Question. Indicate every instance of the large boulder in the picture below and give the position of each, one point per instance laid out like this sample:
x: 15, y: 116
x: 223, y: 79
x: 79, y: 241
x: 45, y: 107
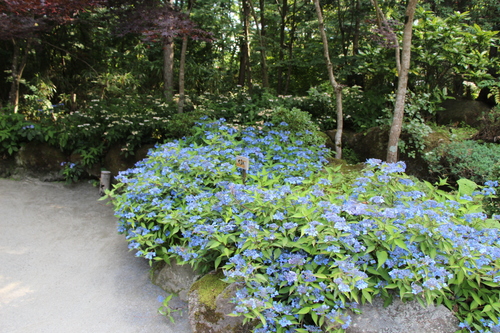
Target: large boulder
x: 458, y: 111
x: 403, y: 317
x: 210, y: 304
x: 373, y: 144
x: 116, y: 160
x: 175, y: 279
x: 7, y: 166
x: 369, y: 144
x: 41, y: 160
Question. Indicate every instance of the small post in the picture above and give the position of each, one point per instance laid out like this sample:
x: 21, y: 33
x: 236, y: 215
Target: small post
x: 243, y: 163
x: 105, y: 182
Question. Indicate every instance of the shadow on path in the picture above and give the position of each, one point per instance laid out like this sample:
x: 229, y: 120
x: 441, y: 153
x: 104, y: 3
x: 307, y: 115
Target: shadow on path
x: 64, y: 268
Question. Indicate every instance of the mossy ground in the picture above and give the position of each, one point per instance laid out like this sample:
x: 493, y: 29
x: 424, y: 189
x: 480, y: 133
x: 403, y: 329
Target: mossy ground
x: 209, y: 287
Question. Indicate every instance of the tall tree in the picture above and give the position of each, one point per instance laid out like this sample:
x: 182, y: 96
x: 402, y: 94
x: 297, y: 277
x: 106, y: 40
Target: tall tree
x: 399, y: 105
x: 283, y: 10
x: 337, y: 88
x: 245, y: 75
x: 261, y: 32
x: 161, y: 22
x: 182, y: 65
x: 23, y: 22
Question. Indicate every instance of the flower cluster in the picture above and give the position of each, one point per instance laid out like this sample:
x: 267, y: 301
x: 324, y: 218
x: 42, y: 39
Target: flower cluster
x: 307, y: 242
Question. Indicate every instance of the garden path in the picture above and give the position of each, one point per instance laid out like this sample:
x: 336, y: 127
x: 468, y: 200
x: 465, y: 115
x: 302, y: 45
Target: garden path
x: 64, y: 268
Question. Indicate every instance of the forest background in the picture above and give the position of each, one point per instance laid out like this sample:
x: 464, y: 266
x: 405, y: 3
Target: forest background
x: 84, y: 74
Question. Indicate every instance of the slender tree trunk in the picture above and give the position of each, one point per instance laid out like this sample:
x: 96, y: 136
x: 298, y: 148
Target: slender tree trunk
x: 265, y: 74
x: 355, y: 38
x: 262, y: 42
x: 18, y: 64
x: 182, y: 96
x: 281, y: 53
x: 291, y: 41
x: 342, y: 30
x: 335, y: 85
x: 399, y: 107
x: 182, y: 67
x: 356, y: 15
x: 245, y: 69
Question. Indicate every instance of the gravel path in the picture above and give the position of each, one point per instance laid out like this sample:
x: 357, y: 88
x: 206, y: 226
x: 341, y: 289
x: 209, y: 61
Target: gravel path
x: 64, y: 268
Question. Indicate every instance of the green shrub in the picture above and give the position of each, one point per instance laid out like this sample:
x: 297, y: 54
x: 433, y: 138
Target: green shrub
x: 299, y: 124
x: 306, y: 242
x: 15, y: 130
x: 242, y: 105
x: 469, y: 159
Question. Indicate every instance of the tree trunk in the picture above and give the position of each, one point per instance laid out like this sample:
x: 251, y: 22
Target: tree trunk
x: 18, y: 64
x: 265, y: 74
x: 281, y: 53
x: 262, y: 42
x: 335, y: 85
x: 168, y: 68
x: 182, y: 97
x: 399, y: 106
x: 182, y: 67
x: 291, y: 41
x: 245, y: 69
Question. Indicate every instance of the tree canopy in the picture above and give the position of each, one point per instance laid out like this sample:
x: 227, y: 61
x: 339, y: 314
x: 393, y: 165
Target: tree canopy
x: 75, y: 51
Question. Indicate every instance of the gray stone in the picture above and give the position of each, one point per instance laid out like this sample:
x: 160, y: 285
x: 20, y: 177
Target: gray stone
x: 210, y: 304
x: 41, y: 160
x: 7, y: 166
x: 175, y: 279
x: 457, y: 111
x: 403, y: 317
x: 116, y: 161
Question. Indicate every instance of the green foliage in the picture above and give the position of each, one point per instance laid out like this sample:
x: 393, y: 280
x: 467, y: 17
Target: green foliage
x: 299, y: 124
x: 319, y: 102
x: 15, y: 130
x: 90, y: 155
x: 241, y: 105
x: 165, y: 308
x: 350, y: 156
x: 361, y: 108
x: 419, y: 109
x: 183, y: 124
x: 130, y: 121
x: 469, y: 159
x: 449, y: 47
x: 71, y: 172
x: 305, y: 241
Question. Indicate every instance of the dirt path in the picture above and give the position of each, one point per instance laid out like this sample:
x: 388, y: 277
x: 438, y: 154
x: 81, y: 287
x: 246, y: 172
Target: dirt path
x: 64, y: 268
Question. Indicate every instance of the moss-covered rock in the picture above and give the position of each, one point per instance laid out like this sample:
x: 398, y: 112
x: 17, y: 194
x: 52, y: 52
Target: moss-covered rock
x: 210, y: 304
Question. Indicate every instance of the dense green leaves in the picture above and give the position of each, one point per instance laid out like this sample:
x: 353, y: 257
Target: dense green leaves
x: 306, y: 241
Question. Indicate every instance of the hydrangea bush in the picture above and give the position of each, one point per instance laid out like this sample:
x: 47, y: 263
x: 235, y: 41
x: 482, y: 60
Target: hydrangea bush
x: 306, y: 242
